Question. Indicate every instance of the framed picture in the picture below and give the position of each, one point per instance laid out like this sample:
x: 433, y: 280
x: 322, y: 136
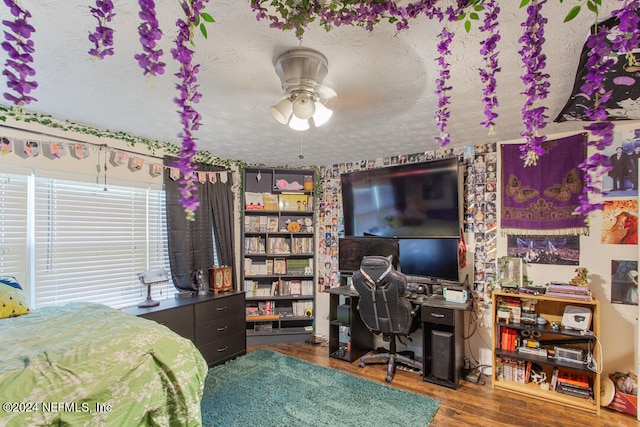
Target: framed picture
x: 279, y: 266
x: 510, y: 273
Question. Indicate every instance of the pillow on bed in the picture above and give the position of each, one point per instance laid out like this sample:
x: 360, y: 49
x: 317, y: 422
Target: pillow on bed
x: 13, y: 301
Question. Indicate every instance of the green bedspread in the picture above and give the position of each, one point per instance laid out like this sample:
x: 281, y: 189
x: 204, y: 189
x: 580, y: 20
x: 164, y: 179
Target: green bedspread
x: 89, y: 365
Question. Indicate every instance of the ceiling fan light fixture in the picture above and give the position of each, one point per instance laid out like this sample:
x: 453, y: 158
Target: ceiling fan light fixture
x: 303, y: 106
x: 301, y: 72
x: 282, y: 111
x: 297, y: 123
x: 322, y: 114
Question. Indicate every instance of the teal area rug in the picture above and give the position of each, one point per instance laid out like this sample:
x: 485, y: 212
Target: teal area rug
x: 267, y: 388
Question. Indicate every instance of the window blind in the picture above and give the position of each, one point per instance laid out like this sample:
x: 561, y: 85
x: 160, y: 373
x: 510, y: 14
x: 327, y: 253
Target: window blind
x: 90, y: 243
x: 13, y: 225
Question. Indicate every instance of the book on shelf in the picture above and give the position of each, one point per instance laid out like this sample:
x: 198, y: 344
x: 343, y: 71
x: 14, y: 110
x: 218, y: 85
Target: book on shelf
x: 279, y: 266
x: 278, y: 245
x: 253, y: 201
x: 270, y: 201
x: 275, y: 288
x: 574, y: 391
x: 295, y: 287
x: 272, y: 224
x: 298, y: 266
x: 299, y: 308
x: 575, y: 379
x: 263, y: 223
x: 569, y: 289
x: 255, y: 268
x: 565, y: 295
x: 252, y: 224
x: 302, y: 245
x: 294, y: 202
x: 254, y: 245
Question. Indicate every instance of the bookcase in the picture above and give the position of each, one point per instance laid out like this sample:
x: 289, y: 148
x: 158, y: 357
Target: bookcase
x: 279, y: 255
x: 569, y: 359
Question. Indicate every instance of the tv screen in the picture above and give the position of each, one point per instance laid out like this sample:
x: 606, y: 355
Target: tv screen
x: 430, y: 259
x: 412, y: 200
x: 351, y: 250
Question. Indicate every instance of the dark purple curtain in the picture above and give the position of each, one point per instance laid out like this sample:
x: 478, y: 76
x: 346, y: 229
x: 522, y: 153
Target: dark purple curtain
x: 191, y: 245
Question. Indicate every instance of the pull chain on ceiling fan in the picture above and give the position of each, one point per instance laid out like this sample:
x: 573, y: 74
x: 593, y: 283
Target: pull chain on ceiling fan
x: 301, y: 72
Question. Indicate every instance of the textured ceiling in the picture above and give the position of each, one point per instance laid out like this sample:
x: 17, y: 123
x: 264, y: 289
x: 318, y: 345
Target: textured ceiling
x: 384, y: 80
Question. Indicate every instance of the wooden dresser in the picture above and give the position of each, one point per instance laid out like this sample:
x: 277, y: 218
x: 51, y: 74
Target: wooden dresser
x: 215, y: 323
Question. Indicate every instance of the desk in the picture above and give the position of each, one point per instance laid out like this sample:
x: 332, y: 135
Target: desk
x: 442, y: 334
x: 349, y: 338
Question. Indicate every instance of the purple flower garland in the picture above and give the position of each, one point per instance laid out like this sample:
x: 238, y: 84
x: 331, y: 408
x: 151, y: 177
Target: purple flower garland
x: 536, y: 84
x: 490, y: 56
x: 446, y: 37
x: 150, y: 33
x: 442, y: 114
x: 102, y: 38
x: 630, y: 28
x: 189, y: 96
x: 598, y: 62
x: 19, y: 49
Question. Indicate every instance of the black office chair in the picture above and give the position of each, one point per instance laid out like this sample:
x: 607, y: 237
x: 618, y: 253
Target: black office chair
x: 384, y: 309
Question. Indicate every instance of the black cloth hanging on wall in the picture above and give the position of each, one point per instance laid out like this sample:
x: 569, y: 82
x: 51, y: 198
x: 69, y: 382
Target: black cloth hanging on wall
x: 191, y: 242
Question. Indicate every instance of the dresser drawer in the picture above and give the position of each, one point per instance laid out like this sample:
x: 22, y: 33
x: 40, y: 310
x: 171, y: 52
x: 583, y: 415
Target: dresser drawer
x: 220, y: 308
x: 220, y: 328
x: 439, y: 315
x: 221, y: 350
x: 178, y: 319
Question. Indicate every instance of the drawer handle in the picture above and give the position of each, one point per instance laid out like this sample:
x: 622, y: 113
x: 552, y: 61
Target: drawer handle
x: 220, y: 350
x: 221, y: 308
x: 439, y: 316
x: 223, y: 328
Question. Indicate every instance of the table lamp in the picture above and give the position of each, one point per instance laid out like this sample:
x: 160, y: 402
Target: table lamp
x: 149, y: 278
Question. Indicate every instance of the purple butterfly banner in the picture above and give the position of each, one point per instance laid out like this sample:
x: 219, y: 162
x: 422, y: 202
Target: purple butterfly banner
x: 541, y: 200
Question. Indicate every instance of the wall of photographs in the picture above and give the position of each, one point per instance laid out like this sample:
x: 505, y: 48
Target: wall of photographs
x: 479, y: 208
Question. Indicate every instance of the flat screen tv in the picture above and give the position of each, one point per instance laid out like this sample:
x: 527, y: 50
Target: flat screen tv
x: 351, y: 250
x: 430, y: 259
x: 412, y: 200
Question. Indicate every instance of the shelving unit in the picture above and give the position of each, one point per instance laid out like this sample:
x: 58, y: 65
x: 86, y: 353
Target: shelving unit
x: 279, y: 255
x: 552, y: 309
x: 349, y: 338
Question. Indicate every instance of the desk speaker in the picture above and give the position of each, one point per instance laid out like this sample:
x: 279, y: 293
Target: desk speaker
x: 442, y: 355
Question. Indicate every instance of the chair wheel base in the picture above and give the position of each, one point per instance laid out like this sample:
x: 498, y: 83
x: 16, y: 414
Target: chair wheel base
x: 362, y: 364
x: 388, y: 378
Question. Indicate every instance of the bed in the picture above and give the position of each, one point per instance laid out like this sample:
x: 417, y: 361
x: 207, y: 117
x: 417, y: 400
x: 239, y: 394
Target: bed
x: 85, y: 364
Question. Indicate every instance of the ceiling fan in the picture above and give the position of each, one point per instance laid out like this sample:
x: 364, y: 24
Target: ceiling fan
x: 306, y: 100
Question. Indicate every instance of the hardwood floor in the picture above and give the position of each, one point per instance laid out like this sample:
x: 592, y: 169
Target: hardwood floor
x: 469, y: 405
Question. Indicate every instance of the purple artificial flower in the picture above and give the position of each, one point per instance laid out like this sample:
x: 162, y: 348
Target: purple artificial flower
x: 536, y: 84
x: 19, y: 48
x: 598, y: 63
x: 629, y: 27
x: 442, y: 114
x: 150, y: 33
x: 487, y: 50
x: 188, y: 95
x: 102, y: 38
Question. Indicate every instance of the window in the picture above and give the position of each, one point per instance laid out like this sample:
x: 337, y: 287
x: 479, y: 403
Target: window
x: 87, y: 242
x: 13, y: 224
